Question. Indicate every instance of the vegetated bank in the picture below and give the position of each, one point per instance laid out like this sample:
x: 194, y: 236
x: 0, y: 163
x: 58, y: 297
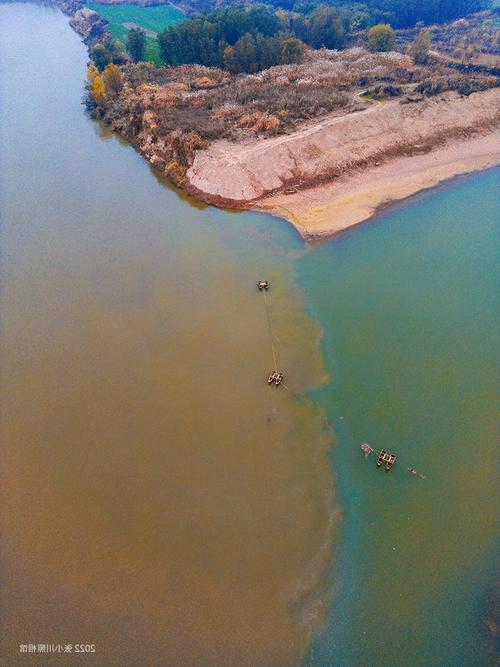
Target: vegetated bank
x: 151, y: 19
x: 267, y: 139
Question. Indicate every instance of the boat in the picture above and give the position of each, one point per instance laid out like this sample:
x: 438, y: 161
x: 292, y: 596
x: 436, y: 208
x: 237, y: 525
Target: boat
x: 263, y: 284
x: 386, y: 458
x: 366, y: 449
x: 272, y: 377
x: 279, y: 379
x: 390, y: 462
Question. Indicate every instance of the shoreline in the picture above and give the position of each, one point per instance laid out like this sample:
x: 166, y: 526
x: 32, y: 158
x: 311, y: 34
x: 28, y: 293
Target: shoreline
x: 338, y: 172
x: 342, y: 191
x: 323, y: 211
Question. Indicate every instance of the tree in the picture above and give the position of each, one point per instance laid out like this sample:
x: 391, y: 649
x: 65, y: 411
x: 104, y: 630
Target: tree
x: 245, y: 54
x: 381, y: 37
x: 98, y: 90
x: 229, y: 61
x: 112, y: 78
x: 261, y: 19
x: 268, y: 51
x: 292, y: 50
x: 100, y: 55
x: 406, y: 13
x: 136, y: 44
x: 170, y: 46
x: 326, y: 28
x: 419, y: 48
x: 236, y: 38
x: 360, y: 19
x: 116, y: 51
x: 92, y: 72
x: 109, y: 51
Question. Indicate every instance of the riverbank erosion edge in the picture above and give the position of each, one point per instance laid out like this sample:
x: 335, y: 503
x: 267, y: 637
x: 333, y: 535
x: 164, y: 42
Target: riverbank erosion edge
x: 87, y: 23
x: 330, y: 208
x: 337, y: 173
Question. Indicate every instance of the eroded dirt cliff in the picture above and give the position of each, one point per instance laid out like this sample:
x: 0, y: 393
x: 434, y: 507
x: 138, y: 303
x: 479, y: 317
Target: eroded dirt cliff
x: 239, y: 174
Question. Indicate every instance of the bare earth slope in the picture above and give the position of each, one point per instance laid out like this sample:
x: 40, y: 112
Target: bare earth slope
x: 333, y: 150
x: 330, y: 208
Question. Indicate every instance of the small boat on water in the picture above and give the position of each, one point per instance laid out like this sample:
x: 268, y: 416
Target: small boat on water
x: 263, y: 285
x: 386, y: 458
x: 276, y: 377
x: 391, y: 461
x: 366, y: 449
x: 272, y: 377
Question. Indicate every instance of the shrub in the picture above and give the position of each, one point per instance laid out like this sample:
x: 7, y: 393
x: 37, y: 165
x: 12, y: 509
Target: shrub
x: 112, y: 78
x: 419, y: 49
x: 381, y: 38
x: 98, y: 90
x: 292, y: 50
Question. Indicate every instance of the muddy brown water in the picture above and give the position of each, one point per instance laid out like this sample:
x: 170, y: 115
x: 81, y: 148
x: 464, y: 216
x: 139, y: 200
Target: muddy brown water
x: 159, y: 500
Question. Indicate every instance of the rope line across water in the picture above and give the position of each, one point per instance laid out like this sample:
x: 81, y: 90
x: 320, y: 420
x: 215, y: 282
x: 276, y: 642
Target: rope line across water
x: 272, y: 338
x: 270, y: 328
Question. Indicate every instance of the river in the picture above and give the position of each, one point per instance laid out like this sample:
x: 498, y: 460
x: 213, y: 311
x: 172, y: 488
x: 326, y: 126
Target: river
x: 158, y: 499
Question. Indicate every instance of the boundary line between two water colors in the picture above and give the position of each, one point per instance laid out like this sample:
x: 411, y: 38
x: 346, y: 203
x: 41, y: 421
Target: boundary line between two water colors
x: 272, y: 338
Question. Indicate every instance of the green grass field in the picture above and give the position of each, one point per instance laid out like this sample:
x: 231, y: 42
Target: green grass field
x: 155, y: 18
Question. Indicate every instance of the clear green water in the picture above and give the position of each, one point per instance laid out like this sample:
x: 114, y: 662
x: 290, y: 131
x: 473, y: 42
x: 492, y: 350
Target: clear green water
x: 158, y: 498
x: 409, y: 308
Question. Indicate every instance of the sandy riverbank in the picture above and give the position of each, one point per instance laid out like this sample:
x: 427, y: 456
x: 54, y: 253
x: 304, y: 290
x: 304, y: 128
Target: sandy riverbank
x: 336, y: 172
x: 330, y: 208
